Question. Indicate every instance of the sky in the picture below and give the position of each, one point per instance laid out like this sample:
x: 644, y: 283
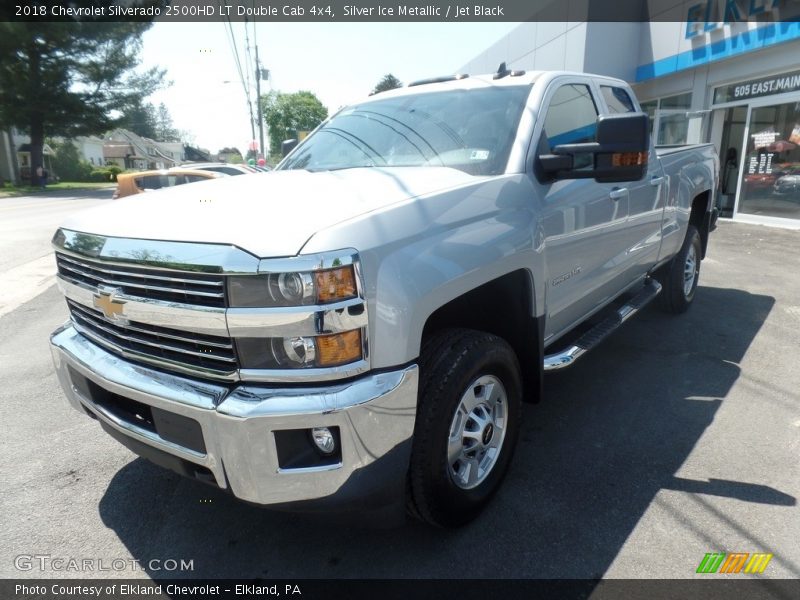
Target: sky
x: 339, y: 62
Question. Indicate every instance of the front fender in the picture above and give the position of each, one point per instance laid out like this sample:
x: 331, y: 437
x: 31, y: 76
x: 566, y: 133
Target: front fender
x: 422, y: 254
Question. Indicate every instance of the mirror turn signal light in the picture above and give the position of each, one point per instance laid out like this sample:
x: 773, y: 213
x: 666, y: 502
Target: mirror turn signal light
x: 629, y: 159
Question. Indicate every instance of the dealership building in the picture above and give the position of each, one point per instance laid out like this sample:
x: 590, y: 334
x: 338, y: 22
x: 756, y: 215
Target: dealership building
x: 733, y: 82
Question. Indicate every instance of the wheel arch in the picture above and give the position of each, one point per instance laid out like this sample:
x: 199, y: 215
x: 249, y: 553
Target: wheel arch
x: 700, y: 217
x: 504, y: 307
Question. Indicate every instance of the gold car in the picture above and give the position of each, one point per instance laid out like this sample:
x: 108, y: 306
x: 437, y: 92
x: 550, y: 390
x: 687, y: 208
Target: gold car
x: 145, y: 181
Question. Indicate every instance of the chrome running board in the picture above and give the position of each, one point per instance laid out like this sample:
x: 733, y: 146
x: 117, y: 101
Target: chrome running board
x: 599, y: 332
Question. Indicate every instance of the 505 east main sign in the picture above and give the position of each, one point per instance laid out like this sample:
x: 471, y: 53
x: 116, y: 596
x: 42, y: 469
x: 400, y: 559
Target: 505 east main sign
x: 766, y: 86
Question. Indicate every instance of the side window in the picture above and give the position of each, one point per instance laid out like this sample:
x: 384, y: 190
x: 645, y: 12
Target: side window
x: 572, y: 119
x: 151, y: 182
x: 228, y: 171
x: 617, y: 99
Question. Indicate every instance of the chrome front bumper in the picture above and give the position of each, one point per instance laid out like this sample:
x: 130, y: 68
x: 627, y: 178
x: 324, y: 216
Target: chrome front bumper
x: 375, y: 415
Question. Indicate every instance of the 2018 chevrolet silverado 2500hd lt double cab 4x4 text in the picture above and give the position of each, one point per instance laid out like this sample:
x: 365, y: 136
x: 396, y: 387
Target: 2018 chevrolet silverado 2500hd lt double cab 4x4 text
x: 359, y: 327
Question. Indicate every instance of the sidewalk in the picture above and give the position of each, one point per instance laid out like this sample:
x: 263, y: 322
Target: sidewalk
x: 28, y: 190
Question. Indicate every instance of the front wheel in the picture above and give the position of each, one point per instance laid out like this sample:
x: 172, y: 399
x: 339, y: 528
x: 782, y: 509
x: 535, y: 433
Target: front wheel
x: 680, y: 276
x: 468, y: 417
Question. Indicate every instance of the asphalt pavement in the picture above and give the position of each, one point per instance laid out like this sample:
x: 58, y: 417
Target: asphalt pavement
x: 677, y: 437
x: 27, y: 224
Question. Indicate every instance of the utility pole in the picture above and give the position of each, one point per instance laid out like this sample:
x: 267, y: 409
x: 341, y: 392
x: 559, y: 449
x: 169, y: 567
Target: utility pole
x: 258, y: 105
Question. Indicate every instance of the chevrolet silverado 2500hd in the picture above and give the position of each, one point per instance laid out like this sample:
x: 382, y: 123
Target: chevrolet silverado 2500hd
x: 359, y: 327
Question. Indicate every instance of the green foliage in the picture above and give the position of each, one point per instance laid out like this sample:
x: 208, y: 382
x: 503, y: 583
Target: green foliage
x: 165, y: 131
x: 233, y: 154
x: 100, y: 175
x: 114, y: 170
x: 389, y: 82
x: 140, y: 119
x: 147, y: 120
x: 68, y: 165
x: 83, y: 172
x: 66, y: 162
x: 288, y: 114
x: 71, y: 78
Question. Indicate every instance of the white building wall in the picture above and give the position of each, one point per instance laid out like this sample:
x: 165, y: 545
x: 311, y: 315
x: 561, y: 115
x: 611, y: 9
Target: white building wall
x: 603, y: 48
x: 8, y: 159
x: 173, y: 149
x: 91, y: 150
x: 703, y: 79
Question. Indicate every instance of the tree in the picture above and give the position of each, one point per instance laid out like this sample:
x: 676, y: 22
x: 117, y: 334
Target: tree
x: 140, y: 119
x: 70, y: 78
x: 389, y: 82
x: 233, y: 154
x: 67, y: 163
x: 165, y: 131
x: 288, y: 114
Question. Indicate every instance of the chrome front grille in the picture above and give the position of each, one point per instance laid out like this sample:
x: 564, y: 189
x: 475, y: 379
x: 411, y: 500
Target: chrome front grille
x: 173, y: 349
x: 187, y: 288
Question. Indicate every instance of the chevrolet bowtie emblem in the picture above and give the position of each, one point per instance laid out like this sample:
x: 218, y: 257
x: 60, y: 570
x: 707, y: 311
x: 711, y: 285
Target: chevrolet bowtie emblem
x: 105, y: 301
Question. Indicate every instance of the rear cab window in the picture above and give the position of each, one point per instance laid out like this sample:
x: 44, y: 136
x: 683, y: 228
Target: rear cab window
x: 572, y: 119
x: 617, y: 100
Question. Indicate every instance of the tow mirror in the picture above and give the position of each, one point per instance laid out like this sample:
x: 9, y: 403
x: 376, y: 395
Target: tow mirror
x: 287, y: 146
x: 619, y: 154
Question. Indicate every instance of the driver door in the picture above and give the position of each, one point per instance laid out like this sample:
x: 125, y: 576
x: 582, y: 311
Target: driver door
x: 583, y: 221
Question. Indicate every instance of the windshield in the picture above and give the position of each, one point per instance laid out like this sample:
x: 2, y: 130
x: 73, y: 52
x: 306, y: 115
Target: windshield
x: 470, y: 130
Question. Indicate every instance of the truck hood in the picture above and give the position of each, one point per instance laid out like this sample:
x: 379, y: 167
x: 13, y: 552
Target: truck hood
x: 268, y: 214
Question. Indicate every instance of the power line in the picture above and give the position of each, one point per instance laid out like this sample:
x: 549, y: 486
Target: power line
x: 235, y: 51
x: 258, y: 93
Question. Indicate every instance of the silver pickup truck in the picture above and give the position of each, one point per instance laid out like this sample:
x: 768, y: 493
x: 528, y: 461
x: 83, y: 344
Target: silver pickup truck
x: 358, y: 329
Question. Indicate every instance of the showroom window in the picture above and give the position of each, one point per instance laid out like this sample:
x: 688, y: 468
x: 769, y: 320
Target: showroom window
x: 673, y: 122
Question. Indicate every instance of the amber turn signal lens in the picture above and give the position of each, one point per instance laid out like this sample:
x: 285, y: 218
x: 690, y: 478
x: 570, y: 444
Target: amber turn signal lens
x: 338, y: 349
x: 628, y: 159
x: 336, y: 284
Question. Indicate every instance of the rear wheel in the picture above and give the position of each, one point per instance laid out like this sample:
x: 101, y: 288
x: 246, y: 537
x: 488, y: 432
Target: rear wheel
x: 468, y: 417
x: 679, y: 277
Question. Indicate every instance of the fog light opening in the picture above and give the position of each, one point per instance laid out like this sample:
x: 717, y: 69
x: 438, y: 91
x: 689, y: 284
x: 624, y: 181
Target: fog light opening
x: 324, y: 440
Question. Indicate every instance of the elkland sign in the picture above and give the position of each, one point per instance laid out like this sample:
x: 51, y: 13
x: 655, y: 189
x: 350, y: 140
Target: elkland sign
x: 713, y: 14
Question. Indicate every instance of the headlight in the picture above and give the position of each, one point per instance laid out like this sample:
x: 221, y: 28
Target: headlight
x: 330, y: 350
x: 292, y: 289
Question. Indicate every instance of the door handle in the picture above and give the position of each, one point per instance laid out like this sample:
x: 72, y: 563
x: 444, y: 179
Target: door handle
x: 657, y: 181
x: 618, y: 193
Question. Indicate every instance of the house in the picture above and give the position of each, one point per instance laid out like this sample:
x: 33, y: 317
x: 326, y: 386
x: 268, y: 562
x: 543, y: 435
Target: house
x: 90, y: 149
x: 124, y: 156
x: 21, y: 143
x: 174, y: 150
x: 131, y: 151
x: 227, y: 155
x: 197, y: 154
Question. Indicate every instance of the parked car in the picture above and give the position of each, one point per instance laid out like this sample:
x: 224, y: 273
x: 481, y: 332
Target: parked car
x: 145, y: 181
x: 365, y: 340
x: 759, y: 181
x: 788, y: 184
x: 225, y: 168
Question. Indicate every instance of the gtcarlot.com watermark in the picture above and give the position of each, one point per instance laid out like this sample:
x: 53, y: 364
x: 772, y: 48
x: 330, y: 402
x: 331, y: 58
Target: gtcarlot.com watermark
x: 50, y: 563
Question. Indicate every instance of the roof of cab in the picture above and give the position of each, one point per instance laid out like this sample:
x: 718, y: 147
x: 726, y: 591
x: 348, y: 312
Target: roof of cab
x: 459, y: 83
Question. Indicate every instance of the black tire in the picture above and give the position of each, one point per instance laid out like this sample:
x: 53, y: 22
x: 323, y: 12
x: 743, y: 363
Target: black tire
x: 457, y: 364
x: 677, y: 295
